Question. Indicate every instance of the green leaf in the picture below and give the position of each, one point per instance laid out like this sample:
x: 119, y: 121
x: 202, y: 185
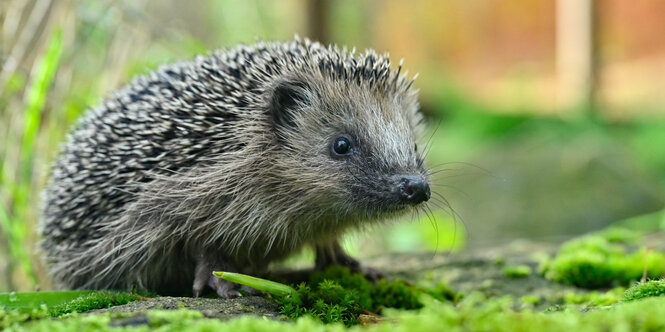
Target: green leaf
x: 22, y: 300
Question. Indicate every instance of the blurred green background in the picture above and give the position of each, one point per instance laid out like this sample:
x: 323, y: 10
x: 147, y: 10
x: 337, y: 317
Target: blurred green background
x: 547, y: 117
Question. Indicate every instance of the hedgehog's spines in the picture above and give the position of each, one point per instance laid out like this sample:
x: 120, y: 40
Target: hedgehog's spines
x: 174, y: 160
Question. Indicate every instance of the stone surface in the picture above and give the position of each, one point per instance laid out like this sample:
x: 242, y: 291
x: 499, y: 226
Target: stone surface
x: 211, y: 308
x: 480, y: 270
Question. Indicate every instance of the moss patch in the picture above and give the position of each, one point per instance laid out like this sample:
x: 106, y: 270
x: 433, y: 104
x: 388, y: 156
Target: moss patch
x: 14, y: 317
x: 594, y: 298
x: 645, y: 289
x: 516, y: 271
x: 337, y: 295
x: 530, y: 300
x: 475, y: 313
x: 95, y: 300
x: 603, y: 260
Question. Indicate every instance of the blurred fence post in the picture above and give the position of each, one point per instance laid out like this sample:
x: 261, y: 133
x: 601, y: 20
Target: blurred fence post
x: 317, y: 20
x: 577, y: 54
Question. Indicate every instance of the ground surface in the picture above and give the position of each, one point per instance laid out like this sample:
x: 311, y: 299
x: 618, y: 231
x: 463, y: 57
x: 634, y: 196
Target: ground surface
x: 523, y: 285
x: 483, y: 270
x: 210, y: 308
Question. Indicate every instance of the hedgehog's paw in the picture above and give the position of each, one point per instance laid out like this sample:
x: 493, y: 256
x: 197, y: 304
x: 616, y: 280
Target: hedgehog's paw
x: 334, y: 254
x: 252, y: 291
x: 369, y: 272
x: 225, y: 289
x: 203, y: 277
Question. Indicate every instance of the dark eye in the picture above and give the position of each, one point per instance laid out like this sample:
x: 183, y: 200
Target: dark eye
x: 415, y: 147
x: 342, y: 146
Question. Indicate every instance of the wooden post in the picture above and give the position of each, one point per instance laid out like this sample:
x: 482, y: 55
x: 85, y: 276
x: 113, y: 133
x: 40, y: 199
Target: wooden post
x: 577, y: 53
x: 317, y: 20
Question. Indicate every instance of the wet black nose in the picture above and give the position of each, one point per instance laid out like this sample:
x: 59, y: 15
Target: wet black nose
x: 414, y: 189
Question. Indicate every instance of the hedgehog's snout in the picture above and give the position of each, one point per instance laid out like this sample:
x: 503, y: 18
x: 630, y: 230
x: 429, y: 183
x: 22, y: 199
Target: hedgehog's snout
x: 413, y: 189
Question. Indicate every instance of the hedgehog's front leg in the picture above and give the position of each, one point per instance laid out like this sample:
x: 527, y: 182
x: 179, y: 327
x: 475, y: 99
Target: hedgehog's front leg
x: 334, y: 254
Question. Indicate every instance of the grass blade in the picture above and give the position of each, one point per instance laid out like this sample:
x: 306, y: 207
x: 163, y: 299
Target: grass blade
x: 264, y: 285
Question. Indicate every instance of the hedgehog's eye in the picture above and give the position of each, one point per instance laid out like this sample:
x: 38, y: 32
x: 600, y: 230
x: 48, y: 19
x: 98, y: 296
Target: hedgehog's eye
x: 342, y: 146
x: 415, y: 148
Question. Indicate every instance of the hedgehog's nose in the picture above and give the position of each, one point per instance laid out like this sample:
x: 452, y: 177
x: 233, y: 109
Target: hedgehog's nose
x: 414, y: 189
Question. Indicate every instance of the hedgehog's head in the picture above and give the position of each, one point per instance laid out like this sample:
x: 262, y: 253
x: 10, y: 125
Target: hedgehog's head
x: 348, y: 147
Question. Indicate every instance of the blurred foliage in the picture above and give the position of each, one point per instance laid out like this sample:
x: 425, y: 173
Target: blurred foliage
x: 603, y: 260
x: 517, y: 271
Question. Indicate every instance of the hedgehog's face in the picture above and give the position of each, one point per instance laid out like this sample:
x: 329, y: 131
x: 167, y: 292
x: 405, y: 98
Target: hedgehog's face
x: 356, y: 146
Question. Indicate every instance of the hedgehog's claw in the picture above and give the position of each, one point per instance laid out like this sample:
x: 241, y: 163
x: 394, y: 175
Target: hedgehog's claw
x: 334, y: 254
x: 203, y: 277
x: 370, y: 273
x: 252, y: 291
x: 225, y: 289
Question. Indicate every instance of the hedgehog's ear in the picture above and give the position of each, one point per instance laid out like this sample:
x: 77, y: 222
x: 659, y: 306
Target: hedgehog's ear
x: 287, y: 97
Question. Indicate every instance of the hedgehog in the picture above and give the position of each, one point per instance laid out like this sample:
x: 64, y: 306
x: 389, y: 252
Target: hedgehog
x: 231, y: 161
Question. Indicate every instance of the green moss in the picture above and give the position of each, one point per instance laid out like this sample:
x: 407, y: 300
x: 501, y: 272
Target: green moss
x: 620, y: 235
x: 442, y: 292
x: 172, y: 320
x: 594, y: 261
x: 474, y: 313
x: 645, y: 289
x: 499, y: 261
x: 328, y: 302
x: 94, y: 300
x: 530, y: 300
x: 517, y: 271
x: 86, y: 302
x: 594, y: 298
x: 13, y: 317
x: 337, y: 295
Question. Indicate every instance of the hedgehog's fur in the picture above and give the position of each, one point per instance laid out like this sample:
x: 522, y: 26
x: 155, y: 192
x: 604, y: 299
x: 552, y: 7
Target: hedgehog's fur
x: 224, y: 162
